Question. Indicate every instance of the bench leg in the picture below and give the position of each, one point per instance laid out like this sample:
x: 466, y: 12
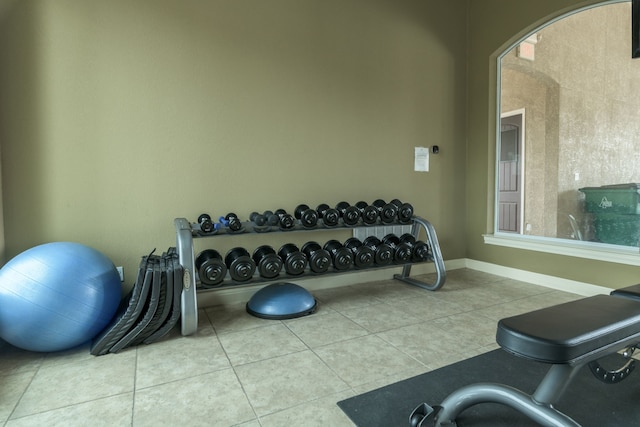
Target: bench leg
x: 468, y: 396
x: 554, y: 383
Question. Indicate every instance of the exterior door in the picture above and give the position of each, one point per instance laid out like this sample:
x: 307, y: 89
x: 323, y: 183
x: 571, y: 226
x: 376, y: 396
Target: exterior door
x: 510, y: 174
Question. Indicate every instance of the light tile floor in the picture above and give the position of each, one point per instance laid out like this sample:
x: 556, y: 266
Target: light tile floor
x: 238, y: 370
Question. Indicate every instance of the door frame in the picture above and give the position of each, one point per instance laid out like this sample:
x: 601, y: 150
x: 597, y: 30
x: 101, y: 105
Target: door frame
x: 521, y: 169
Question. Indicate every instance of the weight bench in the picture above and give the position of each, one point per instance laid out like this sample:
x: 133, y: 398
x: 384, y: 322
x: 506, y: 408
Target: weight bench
x: 567, y: 336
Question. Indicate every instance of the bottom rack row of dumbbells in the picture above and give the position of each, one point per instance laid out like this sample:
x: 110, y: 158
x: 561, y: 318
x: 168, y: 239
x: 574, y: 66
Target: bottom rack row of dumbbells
x: 265, y: 263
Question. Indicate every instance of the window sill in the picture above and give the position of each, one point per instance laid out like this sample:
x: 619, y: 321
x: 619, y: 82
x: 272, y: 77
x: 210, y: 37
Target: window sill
x: 597, y: 251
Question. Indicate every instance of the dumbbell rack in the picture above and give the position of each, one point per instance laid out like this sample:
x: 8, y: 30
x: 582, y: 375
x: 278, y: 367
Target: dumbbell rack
x: 186, y: 232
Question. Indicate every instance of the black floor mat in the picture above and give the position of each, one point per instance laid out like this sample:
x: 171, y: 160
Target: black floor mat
x: 587, y: 400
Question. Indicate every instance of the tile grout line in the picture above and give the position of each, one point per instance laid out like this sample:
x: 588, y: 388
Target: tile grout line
x: 23, y: 393
x: 235, y: 373
x: 135, y: 384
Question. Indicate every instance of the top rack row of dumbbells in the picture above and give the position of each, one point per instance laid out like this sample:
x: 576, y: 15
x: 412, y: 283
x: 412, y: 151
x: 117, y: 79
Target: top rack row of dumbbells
x: 343, y: 216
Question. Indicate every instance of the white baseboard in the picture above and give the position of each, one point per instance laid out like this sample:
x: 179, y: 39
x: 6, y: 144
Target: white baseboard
x: 242, y: 294
x: 580, y: 288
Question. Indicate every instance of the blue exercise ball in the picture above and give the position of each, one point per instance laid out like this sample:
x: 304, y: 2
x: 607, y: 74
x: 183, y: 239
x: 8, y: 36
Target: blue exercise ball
x: 57, y: 296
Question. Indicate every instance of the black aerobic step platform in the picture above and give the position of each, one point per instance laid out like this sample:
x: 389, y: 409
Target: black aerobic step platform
x: 150, y: 310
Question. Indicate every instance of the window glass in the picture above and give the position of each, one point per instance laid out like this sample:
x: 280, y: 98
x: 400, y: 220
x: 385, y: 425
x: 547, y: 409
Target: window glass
x: 575, y: 160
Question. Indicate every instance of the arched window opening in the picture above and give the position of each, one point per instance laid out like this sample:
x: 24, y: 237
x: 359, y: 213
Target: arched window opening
x: 568, y: 137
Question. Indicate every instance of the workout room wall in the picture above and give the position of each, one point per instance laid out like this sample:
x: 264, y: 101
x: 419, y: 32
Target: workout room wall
x: 116, y: 117
x: 493, y: 26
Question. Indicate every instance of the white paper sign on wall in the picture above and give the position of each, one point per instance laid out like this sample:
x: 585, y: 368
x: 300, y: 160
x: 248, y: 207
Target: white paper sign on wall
x: 421, y: 161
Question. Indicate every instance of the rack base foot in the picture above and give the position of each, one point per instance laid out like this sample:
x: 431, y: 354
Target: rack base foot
x: 418, y: 283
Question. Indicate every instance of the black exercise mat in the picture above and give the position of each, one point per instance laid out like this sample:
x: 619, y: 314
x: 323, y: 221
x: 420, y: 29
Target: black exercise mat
x: 587, y: 400
x: 128, y: 311
x: 174, y: 284
x: 164, y: 303
x: 148, y: 311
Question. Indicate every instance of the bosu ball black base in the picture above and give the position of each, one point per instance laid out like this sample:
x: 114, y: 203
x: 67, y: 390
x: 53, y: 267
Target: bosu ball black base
x: 281, y: 301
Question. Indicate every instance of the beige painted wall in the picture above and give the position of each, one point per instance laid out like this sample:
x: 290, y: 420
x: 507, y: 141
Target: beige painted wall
x: 496, y: 25
x: 116, y: 117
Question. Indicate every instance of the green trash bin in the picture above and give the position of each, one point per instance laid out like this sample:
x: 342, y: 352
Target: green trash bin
x: 616, y: 212
x: 617, y: 229
x: 618, y: 198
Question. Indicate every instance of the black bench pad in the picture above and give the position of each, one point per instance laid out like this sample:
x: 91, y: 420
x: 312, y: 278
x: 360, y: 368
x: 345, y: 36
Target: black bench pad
x: 570, y: 332
x: 628, y: 292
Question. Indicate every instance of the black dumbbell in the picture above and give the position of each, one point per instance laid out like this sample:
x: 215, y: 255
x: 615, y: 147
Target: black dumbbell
x: 419, y: 249
x: 368, y: 213
x: 240, y: 265
x: 206, y: 225
x: 401, y: 251
x: 350, y: 214
x: 388, y: 212
x: 286, y: 221
x: 267, y: 261
x: 272, y: 219
x: 319, y: 259
x: 307, y: 216
x: 211, y: 267
x: 294, y: 260
x: 231, y: 221
x: 341, y: 257
x: 330, y: 217
x: 258, y: 219
x: 363, y: 256
x: 405, y: 211
x: 383, y: 254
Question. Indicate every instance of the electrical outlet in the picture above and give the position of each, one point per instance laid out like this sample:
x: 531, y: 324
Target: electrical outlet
x: 121, y: 273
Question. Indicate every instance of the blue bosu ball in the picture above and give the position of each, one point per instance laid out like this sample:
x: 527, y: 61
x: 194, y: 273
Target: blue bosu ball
x: 56, y: 296
x: 281, y: 301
